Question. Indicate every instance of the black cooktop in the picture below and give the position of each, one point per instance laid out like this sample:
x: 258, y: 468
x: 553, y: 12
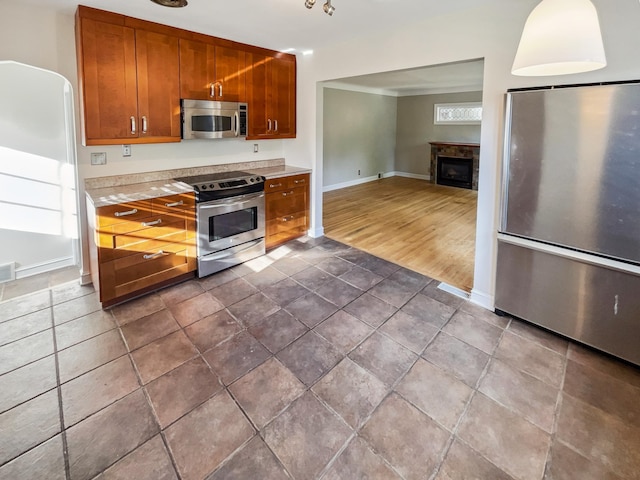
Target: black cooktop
x: 214, y: 186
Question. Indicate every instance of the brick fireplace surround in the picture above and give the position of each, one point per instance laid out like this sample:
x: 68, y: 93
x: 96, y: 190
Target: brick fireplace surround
x: 459, y: 150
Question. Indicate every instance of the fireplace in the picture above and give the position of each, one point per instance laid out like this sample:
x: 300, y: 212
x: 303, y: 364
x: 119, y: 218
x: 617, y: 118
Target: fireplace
x: 460, y: 157
x: 455, y: 171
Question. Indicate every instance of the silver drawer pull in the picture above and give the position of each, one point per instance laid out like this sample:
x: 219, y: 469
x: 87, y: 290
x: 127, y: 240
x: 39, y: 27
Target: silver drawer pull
x: 298, y: 181
x: 287, y: 219
x: 275, y: 185
x: 287, y: 193
x: 153, y: 255
x: 151, y: 224
x: 124, y: 214
x: 174, y: 204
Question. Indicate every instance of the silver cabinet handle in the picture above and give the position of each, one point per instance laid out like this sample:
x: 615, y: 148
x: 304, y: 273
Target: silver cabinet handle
x: 212, y: 90
x: 269, y: 125
x: 275, y: 185
x: 151, y: 224
x: 124, y: 214
x: 298, y: 181
x: 276, y: 125
x: 144, y: 124
x: 174, y: 204
x: 133, y: 125
x: 287, y: 219
x: 287, y: 193
x: 220, y: 92
x: 153, y: 255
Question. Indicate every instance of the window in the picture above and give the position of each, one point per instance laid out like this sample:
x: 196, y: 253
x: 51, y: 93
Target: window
x: 457, y: 113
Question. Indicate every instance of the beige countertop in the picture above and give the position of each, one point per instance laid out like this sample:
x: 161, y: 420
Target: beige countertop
x: 135, y: 192
x: 279, y: 171
x: 153, y: 189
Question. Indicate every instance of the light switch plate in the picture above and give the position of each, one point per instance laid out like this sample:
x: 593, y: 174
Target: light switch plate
x: 255, y: 148
x: 126, y: 150
x: 99, y: 158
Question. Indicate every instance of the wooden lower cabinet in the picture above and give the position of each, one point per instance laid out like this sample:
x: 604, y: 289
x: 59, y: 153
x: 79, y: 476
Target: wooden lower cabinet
x: 140, y: 246
x: 286, y: 209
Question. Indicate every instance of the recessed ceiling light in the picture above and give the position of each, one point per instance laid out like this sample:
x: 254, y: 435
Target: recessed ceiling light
x: 171, y: 3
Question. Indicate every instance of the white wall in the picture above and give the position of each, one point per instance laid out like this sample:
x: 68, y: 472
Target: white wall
x: 359, y: 135
x: 490, y: 33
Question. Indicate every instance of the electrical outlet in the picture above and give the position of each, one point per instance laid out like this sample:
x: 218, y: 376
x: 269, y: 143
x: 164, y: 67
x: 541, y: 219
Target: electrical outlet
x: 99, y: 158
x: 358, y: 172
x: 126, y: 150
x: 380, y: 174
x: 255, y: 148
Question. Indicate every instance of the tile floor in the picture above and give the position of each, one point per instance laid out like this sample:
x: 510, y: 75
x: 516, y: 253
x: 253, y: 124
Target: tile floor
x: 318, y: 361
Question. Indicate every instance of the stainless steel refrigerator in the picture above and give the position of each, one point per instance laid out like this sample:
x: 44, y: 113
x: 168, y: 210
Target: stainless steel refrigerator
x: 569, y: 237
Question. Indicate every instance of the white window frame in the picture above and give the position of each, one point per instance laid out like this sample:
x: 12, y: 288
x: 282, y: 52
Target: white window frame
x: 439, y: 118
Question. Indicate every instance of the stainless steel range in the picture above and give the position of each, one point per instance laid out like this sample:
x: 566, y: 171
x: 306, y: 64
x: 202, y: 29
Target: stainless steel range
x: 230, y: 219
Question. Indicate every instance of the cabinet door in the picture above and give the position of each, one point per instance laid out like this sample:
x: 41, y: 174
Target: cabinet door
x: 197, y: 67
x: 108, y: 81
x: 158, y: 86
x: 230, y: 74
x: 283, y: 96
x: 258, y: 81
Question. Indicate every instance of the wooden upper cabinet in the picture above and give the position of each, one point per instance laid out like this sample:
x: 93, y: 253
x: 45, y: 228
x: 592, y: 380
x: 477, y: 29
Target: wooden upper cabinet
x: 283, y: 91
x: 133, y: 73
x: 129, y: 81
x: 212, y: 72
x: 158, y: 86
x: 271, y: 85
x: 108, y: 80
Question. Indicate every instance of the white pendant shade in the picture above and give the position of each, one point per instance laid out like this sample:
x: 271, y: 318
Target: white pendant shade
x: 559, y: 38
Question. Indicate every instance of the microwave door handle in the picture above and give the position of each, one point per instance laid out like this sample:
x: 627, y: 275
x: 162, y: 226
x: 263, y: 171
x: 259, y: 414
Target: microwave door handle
x: 237, y: 120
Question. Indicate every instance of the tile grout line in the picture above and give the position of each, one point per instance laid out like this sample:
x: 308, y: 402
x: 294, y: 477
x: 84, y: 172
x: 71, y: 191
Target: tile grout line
x: 556, y: 413
x: 474, y: 392
x: 63, y: 431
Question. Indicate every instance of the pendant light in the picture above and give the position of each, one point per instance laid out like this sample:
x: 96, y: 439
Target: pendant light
x: 560, y: 37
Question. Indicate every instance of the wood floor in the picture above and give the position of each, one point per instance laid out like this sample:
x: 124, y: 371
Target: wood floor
x: 424, y: 227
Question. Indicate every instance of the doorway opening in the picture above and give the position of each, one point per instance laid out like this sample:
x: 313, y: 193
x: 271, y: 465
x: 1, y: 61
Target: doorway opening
x: 378, y: 192
x: 38, y: 178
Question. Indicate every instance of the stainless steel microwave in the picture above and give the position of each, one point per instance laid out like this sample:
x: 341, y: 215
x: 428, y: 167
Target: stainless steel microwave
x: 208, y: 119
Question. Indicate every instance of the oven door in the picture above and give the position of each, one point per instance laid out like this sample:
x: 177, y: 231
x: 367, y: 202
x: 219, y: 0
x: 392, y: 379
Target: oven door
x: 228, y: 222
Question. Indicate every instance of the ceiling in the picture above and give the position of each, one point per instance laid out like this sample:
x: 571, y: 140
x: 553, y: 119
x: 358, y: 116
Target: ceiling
x: 287, y: 24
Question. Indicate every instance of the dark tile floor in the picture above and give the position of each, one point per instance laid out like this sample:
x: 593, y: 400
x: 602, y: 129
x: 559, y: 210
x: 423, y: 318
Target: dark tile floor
x: 316, y: 361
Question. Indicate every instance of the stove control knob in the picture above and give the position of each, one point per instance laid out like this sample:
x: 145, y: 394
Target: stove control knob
x: 252, y: 179
x: 211, y: 186
x: 203, y: 187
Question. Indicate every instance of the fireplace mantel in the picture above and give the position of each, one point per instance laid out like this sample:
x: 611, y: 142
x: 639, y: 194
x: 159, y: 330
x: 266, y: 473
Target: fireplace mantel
x: 455, y: 149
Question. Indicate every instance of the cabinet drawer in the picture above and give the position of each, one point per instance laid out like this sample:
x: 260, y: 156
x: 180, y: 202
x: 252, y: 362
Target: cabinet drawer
x: 174, y: 204
x: 287, y: 202
x: 126, y: 275
x: 123, y: 213
x: 301, y: 180
x: 284, y: 183
x: 295, y: 222
x: 130, y: 243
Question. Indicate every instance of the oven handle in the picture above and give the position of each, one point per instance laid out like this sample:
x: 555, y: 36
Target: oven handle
x: 203, y: 206
x: 227, y: 253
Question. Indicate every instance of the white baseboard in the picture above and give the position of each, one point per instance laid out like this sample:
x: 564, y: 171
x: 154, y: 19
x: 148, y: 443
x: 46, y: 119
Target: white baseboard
x: 316, y: 232
x: 483, y: 299
x: 411, y: 175
x: 351, y: 183
x: 453, y: 290
x: 360, y: 181
x: 44, y: 267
